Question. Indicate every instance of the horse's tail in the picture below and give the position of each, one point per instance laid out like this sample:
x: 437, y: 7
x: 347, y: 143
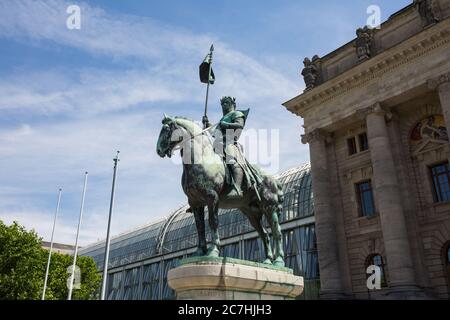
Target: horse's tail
x: 280, y: 195
x: 273, y: 193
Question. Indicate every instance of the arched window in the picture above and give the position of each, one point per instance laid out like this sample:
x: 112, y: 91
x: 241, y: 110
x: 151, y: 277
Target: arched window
x: 377, y: 260
x: 446, y: 257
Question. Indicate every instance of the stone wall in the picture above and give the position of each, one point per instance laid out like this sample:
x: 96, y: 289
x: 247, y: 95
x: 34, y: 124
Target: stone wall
x: 431, y: 220
x: 428, y: 224
x: 386, y: 96
x: 400, y: 27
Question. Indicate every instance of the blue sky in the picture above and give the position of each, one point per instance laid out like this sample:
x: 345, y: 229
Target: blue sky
x: 70, y: 98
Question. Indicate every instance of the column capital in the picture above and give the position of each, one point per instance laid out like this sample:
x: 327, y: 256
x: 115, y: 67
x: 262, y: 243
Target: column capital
x: 376, y: 108
x: 316, y: 135
x: 435, y: 83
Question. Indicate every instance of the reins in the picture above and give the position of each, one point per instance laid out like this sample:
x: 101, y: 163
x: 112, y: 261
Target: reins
x: 193, y: 136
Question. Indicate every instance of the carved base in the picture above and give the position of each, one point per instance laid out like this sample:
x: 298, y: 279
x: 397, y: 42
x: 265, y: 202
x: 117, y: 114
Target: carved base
x: 333, y: 295
x: 407, y: 292
x: 204, y: 278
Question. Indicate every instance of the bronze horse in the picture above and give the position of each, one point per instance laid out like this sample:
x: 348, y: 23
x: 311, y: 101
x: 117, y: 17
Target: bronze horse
x: 204, y: 181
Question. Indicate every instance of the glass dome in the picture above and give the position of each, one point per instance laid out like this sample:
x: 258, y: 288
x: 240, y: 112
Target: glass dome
x: 158, y: 246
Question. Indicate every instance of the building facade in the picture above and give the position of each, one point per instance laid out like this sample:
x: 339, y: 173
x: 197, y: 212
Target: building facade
x: 140, y: 259
x: 376, y: 116
x: 59, y: 247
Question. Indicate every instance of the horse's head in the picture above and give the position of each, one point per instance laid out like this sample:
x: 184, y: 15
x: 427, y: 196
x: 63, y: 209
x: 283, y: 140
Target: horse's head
x: 178, y: 131
x: 166, y: 142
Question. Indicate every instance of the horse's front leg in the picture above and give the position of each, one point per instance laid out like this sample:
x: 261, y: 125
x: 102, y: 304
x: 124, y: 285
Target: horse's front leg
x: 199, y: 214
x: 213, y: 211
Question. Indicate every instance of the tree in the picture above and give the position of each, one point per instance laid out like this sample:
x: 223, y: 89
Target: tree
x: 22, y: 268
x: 60, y: 267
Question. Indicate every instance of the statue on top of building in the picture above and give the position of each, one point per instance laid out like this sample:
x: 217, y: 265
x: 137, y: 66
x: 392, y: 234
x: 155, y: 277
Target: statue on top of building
x: 311, y: 72
x: 364, y: 43
x: 426, y: 11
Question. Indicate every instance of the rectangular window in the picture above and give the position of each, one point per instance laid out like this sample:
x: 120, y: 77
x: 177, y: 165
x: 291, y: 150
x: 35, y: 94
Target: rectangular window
x: 440, y: 176
x: 351, y: 146
x: 363, y: 143
x: 365, y: 199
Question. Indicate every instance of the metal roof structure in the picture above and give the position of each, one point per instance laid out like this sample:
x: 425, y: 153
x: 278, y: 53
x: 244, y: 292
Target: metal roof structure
x: 177, y: 231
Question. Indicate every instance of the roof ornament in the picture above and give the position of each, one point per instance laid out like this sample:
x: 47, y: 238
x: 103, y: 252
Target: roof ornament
x: 364, y: 43
x: 426, y: 10
x: 312, y: 72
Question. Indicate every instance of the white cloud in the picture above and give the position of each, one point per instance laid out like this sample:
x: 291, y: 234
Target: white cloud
x: 42, y: 223
x: 86, y: 114
x: 94, y: 91
x: 167, y: 71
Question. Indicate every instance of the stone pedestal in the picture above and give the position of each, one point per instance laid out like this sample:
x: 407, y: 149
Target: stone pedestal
x: 204, y: 278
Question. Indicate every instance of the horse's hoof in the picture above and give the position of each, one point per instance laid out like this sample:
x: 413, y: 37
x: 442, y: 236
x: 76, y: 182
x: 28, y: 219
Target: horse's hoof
x: 267, y: 261
x: 279, y: 262
x: 213, y: 252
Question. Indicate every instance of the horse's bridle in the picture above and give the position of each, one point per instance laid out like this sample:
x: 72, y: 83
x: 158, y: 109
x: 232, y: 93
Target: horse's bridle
x: 182, y: 141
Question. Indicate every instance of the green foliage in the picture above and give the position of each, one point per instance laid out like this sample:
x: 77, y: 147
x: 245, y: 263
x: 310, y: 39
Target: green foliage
x: 23, y: 263
x: 21, y: 269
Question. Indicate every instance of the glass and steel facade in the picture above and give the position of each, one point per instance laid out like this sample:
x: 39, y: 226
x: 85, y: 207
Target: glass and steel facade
x: 140, y: 259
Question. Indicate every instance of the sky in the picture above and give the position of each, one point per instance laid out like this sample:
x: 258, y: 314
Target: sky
x: 69, y: 98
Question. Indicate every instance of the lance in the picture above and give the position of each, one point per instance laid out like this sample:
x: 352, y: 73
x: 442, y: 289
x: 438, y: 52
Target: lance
x: 207, y: 76
x: 51, y: 244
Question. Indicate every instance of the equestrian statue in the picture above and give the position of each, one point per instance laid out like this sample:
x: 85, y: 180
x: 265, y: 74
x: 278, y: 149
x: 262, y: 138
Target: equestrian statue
x: 217, y: 175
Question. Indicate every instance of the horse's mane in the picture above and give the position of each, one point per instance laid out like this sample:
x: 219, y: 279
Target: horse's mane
x: 197, y: 129
x: 184, y: 118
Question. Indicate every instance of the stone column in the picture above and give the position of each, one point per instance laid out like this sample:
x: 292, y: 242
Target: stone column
x: 442, y: 85
x: 325, y: 220
x: 389, y: 204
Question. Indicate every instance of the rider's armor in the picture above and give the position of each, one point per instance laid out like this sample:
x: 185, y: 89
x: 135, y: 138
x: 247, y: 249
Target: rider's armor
x: 227, y: 145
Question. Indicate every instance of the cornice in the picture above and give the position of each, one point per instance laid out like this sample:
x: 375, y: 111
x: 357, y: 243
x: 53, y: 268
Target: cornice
x: 386, y: 62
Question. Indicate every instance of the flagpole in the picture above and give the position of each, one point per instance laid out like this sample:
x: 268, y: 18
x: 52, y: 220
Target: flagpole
x: 108, y: 240
x: 72, y: 275
x: 205, y: 117
x: 51, y: 244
